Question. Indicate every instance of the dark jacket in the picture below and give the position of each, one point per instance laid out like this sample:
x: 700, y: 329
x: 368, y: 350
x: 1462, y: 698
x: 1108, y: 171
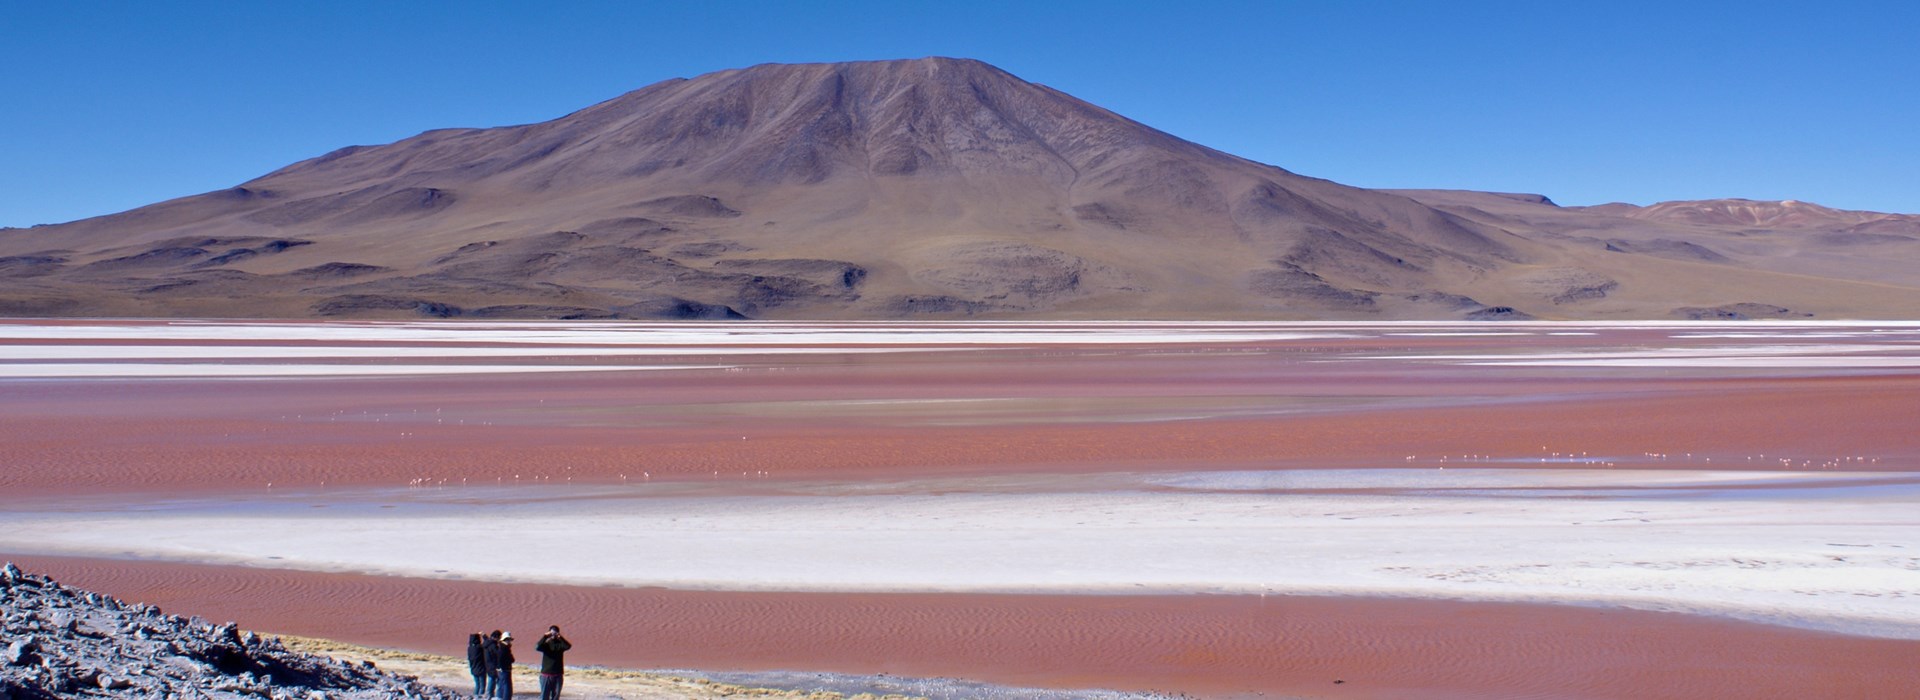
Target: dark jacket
x: 553, y: 651
x: 489, y: 652
x: 476, y: 655
x: 499, y: 657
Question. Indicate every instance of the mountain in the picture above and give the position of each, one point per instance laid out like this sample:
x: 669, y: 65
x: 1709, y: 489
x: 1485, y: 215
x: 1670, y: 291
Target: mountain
x: 920, y: 188
x: 1784, y: 215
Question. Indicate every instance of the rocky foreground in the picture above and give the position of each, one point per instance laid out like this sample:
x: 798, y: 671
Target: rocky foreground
x: 63, y: 642
x: 60, y: 642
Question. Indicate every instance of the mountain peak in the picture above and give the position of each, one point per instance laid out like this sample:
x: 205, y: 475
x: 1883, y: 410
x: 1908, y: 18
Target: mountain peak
x: 924, y: 63
x: 771, y: 123
x: 876, y: 189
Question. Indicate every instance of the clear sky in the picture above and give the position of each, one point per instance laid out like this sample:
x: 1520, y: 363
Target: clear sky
x: 108, y: 106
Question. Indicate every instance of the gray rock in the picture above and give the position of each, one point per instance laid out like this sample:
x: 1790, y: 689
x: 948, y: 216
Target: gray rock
x: 21, y: 652
x: 70, y: 643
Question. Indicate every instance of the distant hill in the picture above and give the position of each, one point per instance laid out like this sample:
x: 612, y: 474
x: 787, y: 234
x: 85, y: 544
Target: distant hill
x: 927, y: 188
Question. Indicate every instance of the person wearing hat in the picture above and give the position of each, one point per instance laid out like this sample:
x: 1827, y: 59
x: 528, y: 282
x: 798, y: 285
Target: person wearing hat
x: 502, y: 664
x: 553, y: 649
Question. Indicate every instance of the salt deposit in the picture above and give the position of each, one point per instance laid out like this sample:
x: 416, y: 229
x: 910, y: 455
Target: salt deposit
x: 76, y: 370
x: 1824, y: 550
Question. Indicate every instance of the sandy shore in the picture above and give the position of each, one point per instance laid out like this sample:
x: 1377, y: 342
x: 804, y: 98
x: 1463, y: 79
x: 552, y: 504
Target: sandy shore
x: 451, y: 672
x: 600, y: 683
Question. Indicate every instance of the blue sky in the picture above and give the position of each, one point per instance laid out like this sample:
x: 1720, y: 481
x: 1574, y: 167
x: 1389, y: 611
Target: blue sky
x: 108, y: 106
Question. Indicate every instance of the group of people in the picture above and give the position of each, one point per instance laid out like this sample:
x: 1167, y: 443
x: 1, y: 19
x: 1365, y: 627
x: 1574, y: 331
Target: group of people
x: 490, y: 657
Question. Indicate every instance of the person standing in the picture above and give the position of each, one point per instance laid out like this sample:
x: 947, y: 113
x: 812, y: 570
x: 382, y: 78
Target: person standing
x: 553, y: 649
x: 477, y: 664
x: 502, y: 662
x: 490, y: 653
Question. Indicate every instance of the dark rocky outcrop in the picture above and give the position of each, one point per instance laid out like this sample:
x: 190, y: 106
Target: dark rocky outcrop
x: 629, y: 226
x: 690, y: 205
x: 1664, y: 248
x: 30, y: 265
x: 546, y: 311
x: 63, y: 642
x: 937, y: 304
x: 1499, y: 313
x: 162, y: 257
x: 1458, y: 302
x: 828, y: 273
x: 1101, y: 213
x: 1289, y: 282
x: 362, y: 304
x: 1743, y: 311
x: 337, y: 270
x: 679, y: 309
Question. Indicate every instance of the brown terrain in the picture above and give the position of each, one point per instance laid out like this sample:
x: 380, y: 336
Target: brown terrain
x: 931, y: 188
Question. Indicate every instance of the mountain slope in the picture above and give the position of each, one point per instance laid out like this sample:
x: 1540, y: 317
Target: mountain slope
x: 886, y: 189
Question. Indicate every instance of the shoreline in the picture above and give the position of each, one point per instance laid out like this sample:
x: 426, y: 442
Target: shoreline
x: 1208, y: 646
x: 450, y: 672
x: 595, y: 682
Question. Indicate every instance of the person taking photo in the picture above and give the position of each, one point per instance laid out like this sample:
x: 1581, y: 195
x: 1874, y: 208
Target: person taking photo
x: 553, y: 649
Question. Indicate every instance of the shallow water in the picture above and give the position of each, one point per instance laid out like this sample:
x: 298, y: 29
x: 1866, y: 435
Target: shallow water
x: 1192, y: 645
x: 1751, y: 471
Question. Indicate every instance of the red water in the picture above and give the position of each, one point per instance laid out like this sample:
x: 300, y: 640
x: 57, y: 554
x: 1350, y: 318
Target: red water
x: 1126, y: 408
x: 1214, y: 646
x: 1056, y: 409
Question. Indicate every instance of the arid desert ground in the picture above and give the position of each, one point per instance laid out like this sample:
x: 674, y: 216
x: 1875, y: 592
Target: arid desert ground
x: 1220, y: 509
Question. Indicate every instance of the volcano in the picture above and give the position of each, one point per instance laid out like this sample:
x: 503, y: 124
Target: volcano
x: 930, y: 188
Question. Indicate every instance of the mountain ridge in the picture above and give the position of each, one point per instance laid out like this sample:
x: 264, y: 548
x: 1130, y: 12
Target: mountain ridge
x: 886, y: 189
